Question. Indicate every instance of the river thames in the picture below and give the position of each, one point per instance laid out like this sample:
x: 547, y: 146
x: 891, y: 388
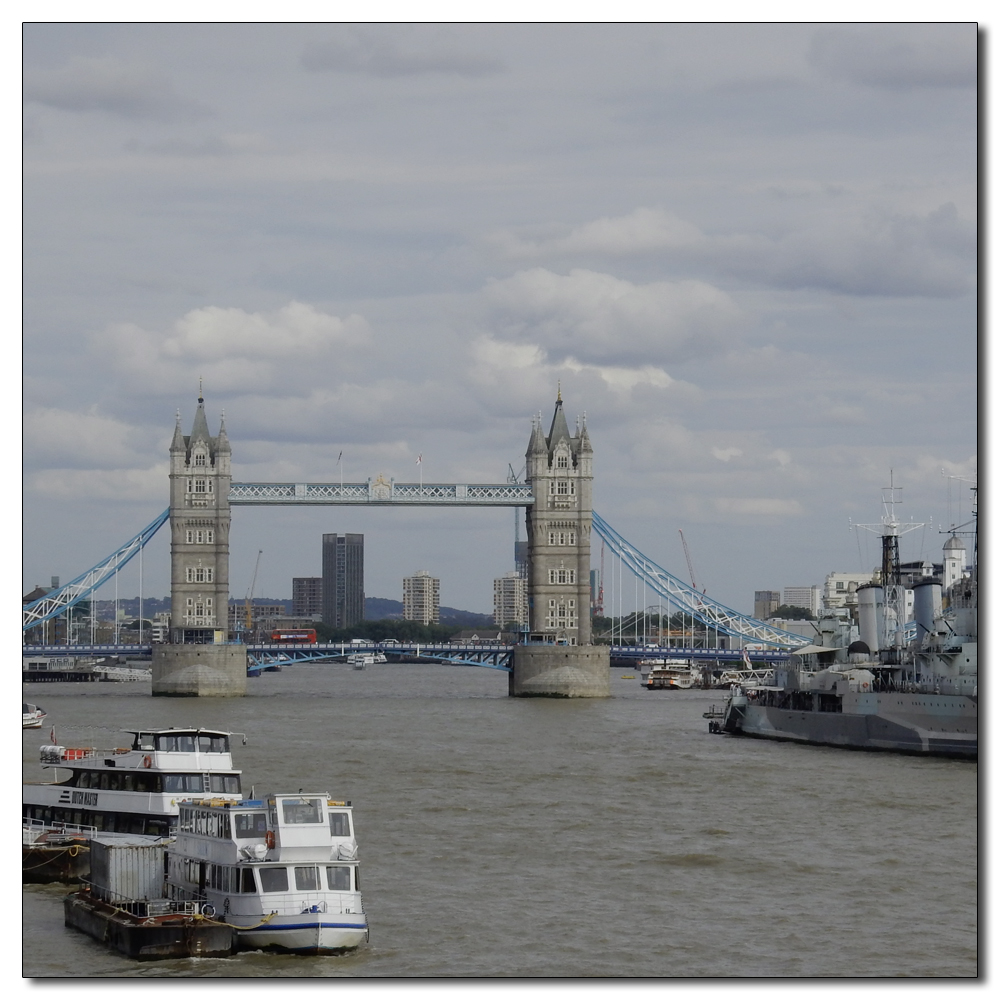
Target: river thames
x: 504, y: 837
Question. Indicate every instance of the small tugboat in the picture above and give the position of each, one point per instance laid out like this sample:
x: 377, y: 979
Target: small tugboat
x: 123, y: 905
x: 31, y: 716
x: 281, y: 870
x: 134, y: 789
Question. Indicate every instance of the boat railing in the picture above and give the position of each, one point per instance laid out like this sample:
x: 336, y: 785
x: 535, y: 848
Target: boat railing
x: 33, y: 829
x: 309, y: 902
x: 150, y: 907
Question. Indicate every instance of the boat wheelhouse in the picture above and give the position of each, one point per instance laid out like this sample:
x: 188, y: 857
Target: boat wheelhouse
x: 134, y: 789
x: 282, y: 870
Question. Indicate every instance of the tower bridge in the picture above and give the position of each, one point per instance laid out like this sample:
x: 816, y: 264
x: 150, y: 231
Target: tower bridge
x: 558, y: 657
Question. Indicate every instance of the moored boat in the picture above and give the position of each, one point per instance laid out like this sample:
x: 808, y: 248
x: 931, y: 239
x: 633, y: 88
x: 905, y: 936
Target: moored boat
x: 281, y: 870
x: 31, y: 716
x: 123, y: 905
x: 864, y: 686
x: 132, y: 789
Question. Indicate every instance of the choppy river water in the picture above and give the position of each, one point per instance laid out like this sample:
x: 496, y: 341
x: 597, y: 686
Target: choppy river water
x: 534, y: 837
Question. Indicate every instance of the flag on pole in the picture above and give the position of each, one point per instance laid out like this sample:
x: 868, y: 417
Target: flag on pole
x: 420, y: 458
x: 52, y: 736
x: 746, y: 659
x: 339, y: 457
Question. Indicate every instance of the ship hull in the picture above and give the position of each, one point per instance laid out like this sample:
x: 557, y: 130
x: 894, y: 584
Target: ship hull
x: 936, y: 725
x: 304, y: 936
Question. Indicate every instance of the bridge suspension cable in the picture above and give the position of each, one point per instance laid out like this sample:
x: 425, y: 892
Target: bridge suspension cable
x: 706, y: 610
x: 57, y: 601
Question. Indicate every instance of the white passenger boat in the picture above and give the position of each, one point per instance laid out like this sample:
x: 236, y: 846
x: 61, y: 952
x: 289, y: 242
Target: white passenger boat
x: 673, y: 675
x: 132, y: 789
x: 31, y: 716
x: 282, y: 870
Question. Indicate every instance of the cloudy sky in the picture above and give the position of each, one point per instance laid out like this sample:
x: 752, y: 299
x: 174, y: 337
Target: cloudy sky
x: 747, y: 252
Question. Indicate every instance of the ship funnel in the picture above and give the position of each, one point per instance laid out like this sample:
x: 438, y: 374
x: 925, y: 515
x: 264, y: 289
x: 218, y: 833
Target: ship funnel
x: 926, y: 605
x: 871, y: 615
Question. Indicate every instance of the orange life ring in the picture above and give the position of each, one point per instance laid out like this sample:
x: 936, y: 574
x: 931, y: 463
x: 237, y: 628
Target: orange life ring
x: 147, y: 761
x: 269, y: 839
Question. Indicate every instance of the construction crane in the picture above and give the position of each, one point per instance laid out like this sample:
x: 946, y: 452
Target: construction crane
x: 248, y: 616
x: 687, y: 556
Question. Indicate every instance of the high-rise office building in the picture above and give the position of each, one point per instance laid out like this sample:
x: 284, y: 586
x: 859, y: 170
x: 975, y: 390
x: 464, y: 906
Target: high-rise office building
x: 510, y: 599
x: 307, y: 597
x: 765, y: 603
x: 343, y: 579
x: 422, y: 598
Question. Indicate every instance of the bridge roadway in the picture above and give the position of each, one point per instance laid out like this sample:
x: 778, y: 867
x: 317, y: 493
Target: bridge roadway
x: 481, y: 654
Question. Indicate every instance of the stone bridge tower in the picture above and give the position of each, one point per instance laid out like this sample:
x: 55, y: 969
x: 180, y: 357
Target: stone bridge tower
x: 559, y: 660
x: 560, y: 469
x: 199, y: 531
x: 198, y: 660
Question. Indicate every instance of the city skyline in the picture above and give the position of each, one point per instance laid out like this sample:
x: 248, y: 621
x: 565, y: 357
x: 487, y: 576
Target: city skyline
x: 747, y: 252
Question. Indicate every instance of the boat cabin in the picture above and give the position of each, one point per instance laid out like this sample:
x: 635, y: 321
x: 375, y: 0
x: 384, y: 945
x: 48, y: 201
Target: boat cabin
x: 133, y: 789
x: 277, y: 844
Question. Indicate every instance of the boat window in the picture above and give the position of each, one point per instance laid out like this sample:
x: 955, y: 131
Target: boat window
x: 250, y: 825
x: 182, y: 743
x: 225, y: 783
x: 212, y: 744
x: 82, y: 779
x: 143, y: 741
x: 274, y: 880
x: 338, y: 877
x: 339, y: 825
x: 302, y: 810
x: 183, y: 783
x: 306, y: 878
x: 105, y: 779
x: 248, y: 882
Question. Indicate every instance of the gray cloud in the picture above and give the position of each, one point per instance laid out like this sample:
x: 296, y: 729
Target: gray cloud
x: 377, y: 54
x: 898, y: 55
x: 126, y: 89
x: 674, y: 204
x: 855, y: 251
x: 599, y: 318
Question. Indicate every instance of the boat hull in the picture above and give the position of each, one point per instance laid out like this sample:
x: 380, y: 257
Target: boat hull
x: 171, y: 936
x: 41, y: 863
x: 937, y: 725
x: 305, y: 934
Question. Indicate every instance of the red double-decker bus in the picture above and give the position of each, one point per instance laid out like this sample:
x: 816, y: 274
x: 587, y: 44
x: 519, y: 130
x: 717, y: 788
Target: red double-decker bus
x: 301, y: 635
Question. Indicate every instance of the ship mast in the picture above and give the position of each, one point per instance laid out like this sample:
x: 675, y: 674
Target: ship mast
x: 890, y: 528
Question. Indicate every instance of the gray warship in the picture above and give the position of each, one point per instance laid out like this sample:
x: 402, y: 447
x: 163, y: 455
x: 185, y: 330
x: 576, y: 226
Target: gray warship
x: 881, y: 684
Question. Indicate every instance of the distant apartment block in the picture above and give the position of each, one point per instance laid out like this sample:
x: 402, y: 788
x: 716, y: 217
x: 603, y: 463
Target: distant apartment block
x: 307, y: 597
x: 803, y: 597
x: 765, y: 603
x: 510, y: 599
x: 343, y: 579
x: 840, y: 589
x: 422, y: 598
x: 259, y: 614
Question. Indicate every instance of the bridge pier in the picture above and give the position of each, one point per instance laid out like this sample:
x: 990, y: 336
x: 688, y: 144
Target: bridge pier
x: 543, y: 670
x: 207, y: 671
